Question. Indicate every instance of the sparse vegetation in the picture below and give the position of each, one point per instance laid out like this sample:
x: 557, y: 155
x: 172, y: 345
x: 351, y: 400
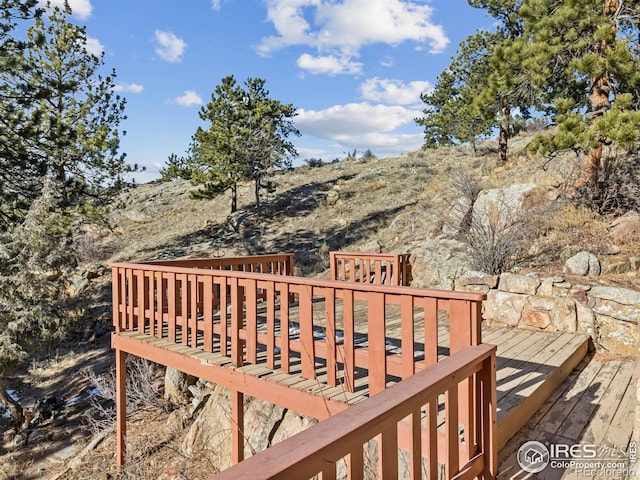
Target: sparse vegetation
x: 314, y: 162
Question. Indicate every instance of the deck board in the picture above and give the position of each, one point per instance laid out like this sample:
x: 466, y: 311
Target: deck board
x: 594, y: 405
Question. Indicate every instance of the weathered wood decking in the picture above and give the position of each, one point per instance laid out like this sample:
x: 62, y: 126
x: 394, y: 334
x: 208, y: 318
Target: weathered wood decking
x: 595, y: 405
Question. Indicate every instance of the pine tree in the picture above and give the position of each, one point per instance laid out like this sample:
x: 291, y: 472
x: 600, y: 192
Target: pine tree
x: 246, y: 139
x: 59, y: 143
x: 482, y: 87
x: 452, y: 115
x: 584, y: 59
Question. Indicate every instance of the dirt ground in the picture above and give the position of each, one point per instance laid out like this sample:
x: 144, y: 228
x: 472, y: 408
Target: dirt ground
x: 66, y: 447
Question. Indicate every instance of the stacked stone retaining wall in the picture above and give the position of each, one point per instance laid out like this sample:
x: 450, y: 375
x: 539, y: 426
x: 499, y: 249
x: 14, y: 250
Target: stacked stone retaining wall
x: 609, y: 314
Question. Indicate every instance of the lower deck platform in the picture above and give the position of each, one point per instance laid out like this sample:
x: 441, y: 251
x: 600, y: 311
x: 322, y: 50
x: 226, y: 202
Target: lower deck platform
x: 595, y: 406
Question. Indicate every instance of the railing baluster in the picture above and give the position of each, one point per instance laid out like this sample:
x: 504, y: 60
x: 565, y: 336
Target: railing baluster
x: 349, y: 339
x: 130, y: 297
x: 307, y: 353
x: 207, y: 315
x: 452, y: 462
x: 388, y: 452
x: 236, y: 322
x: 172, y: 303
x: 224, y: 329
x: 139, y: 301
x: 355, y: 464
x: 251, y: 316
x: 271, y: 324
x: 330, y: 325
x: 431, y: 446
x: 184, y: 307
x: 159, y: 306
x: 378, y: 272
x: 193, y: 317
x: 415, y: 451
x: 284, y: 326
x: 150, y: 306
x: 430, y: 308
x: 407, y: 336
x: 116, y: 299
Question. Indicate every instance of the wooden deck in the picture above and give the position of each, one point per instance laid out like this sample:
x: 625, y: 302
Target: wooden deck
x: 318, y: 347
x: 531, y: 365
x: 594, y: 406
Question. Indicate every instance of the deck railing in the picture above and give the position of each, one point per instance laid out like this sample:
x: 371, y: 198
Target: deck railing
x: 354, y: 335
x: 341, y: 446
x: 281, y: 264
x: 378, y: 268
x: 186, y: 305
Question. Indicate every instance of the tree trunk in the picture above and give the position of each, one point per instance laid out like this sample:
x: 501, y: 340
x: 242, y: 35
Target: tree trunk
x: 503, y: 140
x: 234, y: 197
x: 14, y: 408
x: 257, y: 191
x: 503, y: 136
x: 598, y: 105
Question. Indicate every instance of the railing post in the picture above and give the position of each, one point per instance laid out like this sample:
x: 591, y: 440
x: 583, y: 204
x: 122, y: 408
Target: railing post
x: 333, y: 265
x: 237, y: 418
x: 116, y: 299
x: 377, y: 343
x: 487, y: 398
x: 121, y: 406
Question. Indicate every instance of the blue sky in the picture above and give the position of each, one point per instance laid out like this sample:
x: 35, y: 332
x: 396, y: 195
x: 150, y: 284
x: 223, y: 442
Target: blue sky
x: 354, y: 69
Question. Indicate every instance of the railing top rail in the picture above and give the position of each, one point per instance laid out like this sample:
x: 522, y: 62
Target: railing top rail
x: 311, y: 449
x: 250, y: 258
x: 368, y: 254
x: 312, y: 282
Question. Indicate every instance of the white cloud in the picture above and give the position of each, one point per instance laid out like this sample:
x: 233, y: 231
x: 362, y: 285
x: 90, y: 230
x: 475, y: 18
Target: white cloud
x: 170, y: 47
x: 341, y: 29
x: 216, y: 4
x: 328, y: 64
x: 362, y: 125
x: 80, y: 8
x: 387, y: 62
x: 393, y: 92
x: 128, y: 87
x: 189, y: 99
x: 94, y: 47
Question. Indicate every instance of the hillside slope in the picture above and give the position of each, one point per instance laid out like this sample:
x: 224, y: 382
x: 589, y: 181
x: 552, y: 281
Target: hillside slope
x: 399, y: 204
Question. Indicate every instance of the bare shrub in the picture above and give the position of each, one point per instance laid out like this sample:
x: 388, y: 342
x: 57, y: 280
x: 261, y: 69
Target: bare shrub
x: 497, y: 235
x: 314, y: 162
x: 142, y: 390
x: 617, y: 186
x: 89, y: 247
x: 498, y: 232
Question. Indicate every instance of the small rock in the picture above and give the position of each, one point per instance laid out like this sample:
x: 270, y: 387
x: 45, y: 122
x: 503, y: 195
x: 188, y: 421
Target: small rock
x: 625, y: 229
x: 332, y: 197
x: 583, y: 263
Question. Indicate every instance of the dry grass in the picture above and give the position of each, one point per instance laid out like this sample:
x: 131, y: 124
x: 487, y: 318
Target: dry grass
x: 574, y: 228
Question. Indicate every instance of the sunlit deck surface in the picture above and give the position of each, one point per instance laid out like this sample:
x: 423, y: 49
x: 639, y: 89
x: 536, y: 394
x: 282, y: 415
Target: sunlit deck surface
x: 594, y: 405
x: 531, y: 365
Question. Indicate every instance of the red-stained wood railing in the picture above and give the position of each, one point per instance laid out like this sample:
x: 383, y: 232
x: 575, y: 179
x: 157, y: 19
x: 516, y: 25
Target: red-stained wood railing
x: 284, y: 321
x: 279, y: 264
x: 378, y: 268
x: 341, y: 444
x: 173, y: 302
